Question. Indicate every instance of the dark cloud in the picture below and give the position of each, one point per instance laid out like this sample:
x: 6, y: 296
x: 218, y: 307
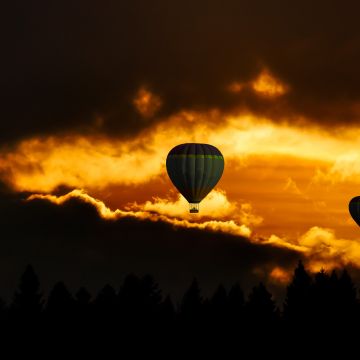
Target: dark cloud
x: 66, y: 63
x: 72, y: 243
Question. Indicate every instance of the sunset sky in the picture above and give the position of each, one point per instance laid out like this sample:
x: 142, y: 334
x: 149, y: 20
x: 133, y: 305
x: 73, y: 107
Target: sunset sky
x: 95, y: 94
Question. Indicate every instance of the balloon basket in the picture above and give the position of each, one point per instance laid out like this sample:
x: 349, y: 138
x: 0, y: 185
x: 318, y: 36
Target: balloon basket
x: 194, y: 207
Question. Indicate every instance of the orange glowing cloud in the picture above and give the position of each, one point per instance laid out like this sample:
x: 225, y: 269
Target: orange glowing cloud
x: 147, y: 103
x: 280, y: 275
x: 280, y: 181
x: 345, y: 166
x: 319, y: 246
x: 215, y: 205
x: 236, y: 87
x: 267, y: 85
x: 229, y: 226
x: 42, y: 164
x: 322, y: 248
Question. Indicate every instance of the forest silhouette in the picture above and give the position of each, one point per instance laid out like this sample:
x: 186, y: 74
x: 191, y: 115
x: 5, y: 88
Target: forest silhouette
x: 322, y: 303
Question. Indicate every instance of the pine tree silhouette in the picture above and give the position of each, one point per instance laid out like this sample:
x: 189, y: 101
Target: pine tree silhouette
x: 167, y: 318
x: 260, y: 307
x: 60, y: 311
x: 105, y: 310
x: 129, y: 295
x: 297, y: 301
x: 193, y: 314
x: 347, y: 289
x: 321, y: 298
x: 236, y: 299
x: 106, y: 300
x: 151, y: 295
x: 83, y: 297
x: 28, y: 300
x: 139, y: 302
x: 167, y: 309
x: 83, y: 315
x: 236, y: 304
x: 346, y: 310
x: 323, y: 302
x: 60, y: 302
x: 191, y: 301
x: 3, y: 312
x: 219, y: 305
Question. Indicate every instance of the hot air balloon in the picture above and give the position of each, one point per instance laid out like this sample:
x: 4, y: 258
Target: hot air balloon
x: 194, y: 169
x: 354, y: 209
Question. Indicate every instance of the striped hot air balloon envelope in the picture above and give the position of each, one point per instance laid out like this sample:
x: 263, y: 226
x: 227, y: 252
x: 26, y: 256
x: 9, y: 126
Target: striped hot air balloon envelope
x: 354, y: 209
x: 194, y: 169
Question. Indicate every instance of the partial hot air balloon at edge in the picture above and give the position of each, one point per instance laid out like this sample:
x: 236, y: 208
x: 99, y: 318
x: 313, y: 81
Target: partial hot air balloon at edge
x: 194, y: 169
x: 354, y: 209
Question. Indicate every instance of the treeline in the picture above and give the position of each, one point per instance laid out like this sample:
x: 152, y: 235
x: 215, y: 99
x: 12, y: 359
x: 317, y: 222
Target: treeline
x: 322, y: 301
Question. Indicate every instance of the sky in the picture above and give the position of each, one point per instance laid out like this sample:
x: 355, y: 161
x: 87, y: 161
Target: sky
x: 95, y: 94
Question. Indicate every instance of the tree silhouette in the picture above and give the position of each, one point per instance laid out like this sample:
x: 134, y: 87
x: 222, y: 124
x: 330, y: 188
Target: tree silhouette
x: 191, y: 301
x: 218, y: 306
x: 236, y: 299
x: 129, y: 294
x: 192, y: 315
x: 321, y: 297
x: 260, y: 307
x: 28, y: 301
x: 60, y: 302
x: 346, y: 310
x: 3, y: 310
x: 139, y: 300
x: 323, y: 302
x: 296, y: 306
x: 151, y: 295
x: 105, y: 311
x: 167, y: 317
x: 106, y: 300
x: 167, y: 309
x: 83, y: 315
x: 83, y: 297
x: 235, y: 305
x: 60, y: 310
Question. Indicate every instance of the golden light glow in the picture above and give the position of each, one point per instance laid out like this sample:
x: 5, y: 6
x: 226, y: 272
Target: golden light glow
x: 216, y: 205
x: 320, y: 246
x: 283, y: 185
x: 236, y: 87
x: 41, y: 164
x: 266, y: 84
x: 346, y: 166
x: 214, y: 225
x: 147, y: 103
x: 280, y: 275
x: 44, y: 164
